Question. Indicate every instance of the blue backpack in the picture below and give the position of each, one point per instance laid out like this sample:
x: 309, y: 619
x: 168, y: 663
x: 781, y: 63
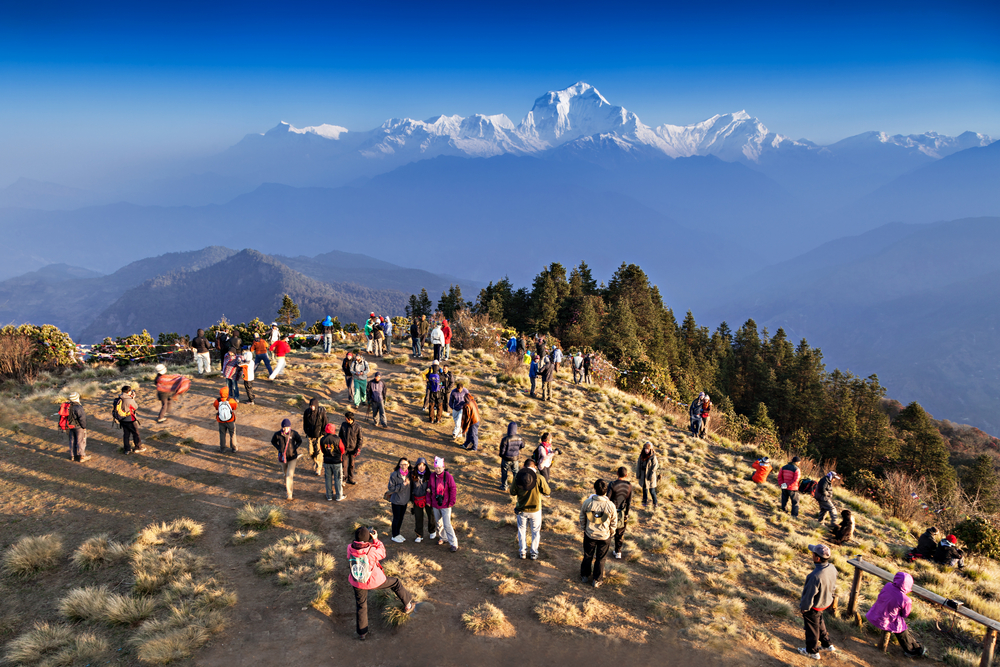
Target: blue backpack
x: 434, y: 383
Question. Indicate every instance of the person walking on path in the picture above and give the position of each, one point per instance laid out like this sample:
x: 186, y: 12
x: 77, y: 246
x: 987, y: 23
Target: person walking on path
x: 694, y: 414
x: 548, y: 373
x: 247, y: 366
x: 423, y: 328
x: 532, y: 373
x: 164, y: 393
x: 420, y: 477
x: 280, y: 349
x: 378, y: 338
x: 620, y: 493
x: 363, y: 559
x: 273, y: 338
x: 446, y: 330
x: 544, y: 454
x: 378, y: 393
x: 437, y: 341
x: 890, y: 610
x: 646, y: 470
x: 576, y: 361
x: 824, y: 496
x: 287, y: 442
x: 470, y: 424
x: 557, y: 357
x: 225, y: 415
x: 788, y: 480
x: 817, y: 597
x: 387, y: 327
x: 202, y: 352
x: 75, y: 427
x: 333, y: 463
x: 124, y: 411
x: 442, y: 493
x: 599, y: 521
x: 314, y: 422
x: 346, y: 367
x: 510, y: 450
x: 398, y: 492
x: 368, y: 333
x: 353, y: 439
x: 259, y: 349
x: 706, y: 409
x: 327, y: 334
x: 359, y: 377
x: 456, y: 403
x: 415, y: 338
x: 231, y: 371
x: 435, y: 394
x: 588, y: 364
x: 528, y: 488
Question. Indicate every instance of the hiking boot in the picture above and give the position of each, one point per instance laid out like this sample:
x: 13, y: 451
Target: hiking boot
x: 454, y: 549
x: 84, y: 458
x: 533, y: 556
x: 618, y: 554
x: 522, y: 555
x: 806, y: 653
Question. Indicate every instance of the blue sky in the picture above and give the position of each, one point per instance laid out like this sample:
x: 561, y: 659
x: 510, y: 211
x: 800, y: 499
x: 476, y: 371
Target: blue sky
x: 85, y: 88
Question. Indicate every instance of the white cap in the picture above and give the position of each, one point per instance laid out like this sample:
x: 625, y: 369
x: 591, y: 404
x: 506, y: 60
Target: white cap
x: 161, y: 369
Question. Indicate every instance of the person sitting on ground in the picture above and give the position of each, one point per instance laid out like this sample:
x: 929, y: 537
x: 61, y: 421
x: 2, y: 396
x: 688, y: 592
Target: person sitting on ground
x: 844, y: 533
x: 366, y: 574
x: 761, y: 469
x: 890, y: 611
x: 948, y: 553
x: 926, y: 545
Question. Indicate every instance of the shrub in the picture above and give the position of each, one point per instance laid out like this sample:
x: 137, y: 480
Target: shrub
x: 980, y: 536
x: 32, y: 554
x: 259, y: 516
x: 85, y: 604
x: 60, y: 644
x: 486, y: 619
x: 98, y: 551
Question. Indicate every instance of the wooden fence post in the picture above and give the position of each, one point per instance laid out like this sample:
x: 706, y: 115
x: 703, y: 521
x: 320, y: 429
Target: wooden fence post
x: 852, y: 603
x: 989, y: 644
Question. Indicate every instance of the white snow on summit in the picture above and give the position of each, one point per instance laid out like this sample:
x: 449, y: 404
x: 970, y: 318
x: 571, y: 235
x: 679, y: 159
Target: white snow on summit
x: 326, y: 131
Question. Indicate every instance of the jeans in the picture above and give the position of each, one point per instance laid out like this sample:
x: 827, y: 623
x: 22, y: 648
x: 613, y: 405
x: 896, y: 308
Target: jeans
x: 437, y: 352
x: 524, y: 519
x: 472, y: 437
x: 456, y: 415
x: 77, y: 442
x: 442, y: 519
x: 279, y: 369
x: 267, y: 362
x: 350, y: 467
x: 129, y: 431
x: 398, y: 514
x: 546, y: 390
x: 378, y: 413
x: 577, y: 374
x: 447, y: 351
x: 816, y: 633
x: 334, y: 473
x: 224, y: 429
x: 327, y: 343
x: 507, y: 465
x: 532, y: 386
x: 652, y: 492
x: 204, y: 362
x: 164, y: 407
x: 388, y: 343
x: 361, y: 601
x: 594, y: 552
x: 695, y: 426
x: 418, y: 517
x: 248, y: 387
x: 787, y: 495
x: 234, y: 387
x: 416, y: 346
x: 288, y: 472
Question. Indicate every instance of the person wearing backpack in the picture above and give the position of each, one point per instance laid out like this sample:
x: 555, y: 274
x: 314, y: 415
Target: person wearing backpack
x: 548, y: 373
x: 528, y: 488
x: 442, y: 494
x: 202, y: 352
x: 124, y: 413
x: 359, y: 377
x: 333, y: 463
x: 470, y: 424
x: 510, y: 450
x: 434, y: 395
x: 280, y: 349
x: 706, y: 409
x: 327, y: 334
x: 620, y: 493
x: 287, y: 442
x: 378, y: 393
x: 599, y: 521
x: 314, y: 426
x: 73, y: 420
x: 225, y: 414
x: 364, y: 556
x: 420, y: 478
x: 694, y: 414
x: 247, y: 366
x: 646, y: 469
x: 788, y: 480
x: 824, y: 496
x: 588, y: 364
x: 353, y: 439
x: 544, y: 454
x: 456, y: 402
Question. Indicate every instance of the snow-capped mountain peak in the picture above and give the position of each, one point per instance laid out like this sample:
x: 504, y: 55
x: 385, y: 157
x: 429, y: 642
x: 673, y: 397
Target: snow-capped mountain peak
x: 325, y: 130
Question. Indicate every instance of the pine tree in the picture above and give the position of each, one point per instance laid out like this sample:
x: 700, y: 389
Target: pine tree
x: 451, y: 301
x: 979, y: 482
x: 923, y: 451
x: 544, y: 303
x: 424, y: 303
x: 618, y: 339
x: 288, y: 312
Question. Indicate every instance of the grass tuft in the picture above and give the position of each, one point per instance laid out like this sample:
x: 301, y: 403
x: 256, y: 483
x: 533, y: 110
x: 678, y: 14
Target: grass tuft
x: 98, y: 551
x: 259, y: 516
x: 85, y: 604
x: 32, y: 554
x: 53, y: 645
x: 173, y: 533
x: 487, y: 620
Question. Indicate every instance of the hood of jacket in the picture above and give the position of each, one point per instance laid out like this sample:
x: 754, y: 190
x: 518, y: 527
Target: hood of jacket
x: 903, y: 581
x: 511, y: 429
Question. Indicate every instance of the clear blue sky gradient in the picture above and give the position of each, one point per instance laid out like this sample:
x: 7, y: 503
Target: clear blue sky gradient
x: 85, y: 88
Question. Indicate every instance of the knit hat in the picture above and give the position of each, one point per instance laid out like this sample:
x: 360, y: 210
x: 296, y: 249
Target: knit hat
x: 419, y: 461
x: 795, y: 459
x: 438, y: 462
x: 329, y: 428
x: 820, y: 550
x: 74, y: 397
x: 953, y: 539
x: 832, y: 475
x: 286, y: 422
x: 224, y: 393
x: 362, y: 535
x: 161, y: 369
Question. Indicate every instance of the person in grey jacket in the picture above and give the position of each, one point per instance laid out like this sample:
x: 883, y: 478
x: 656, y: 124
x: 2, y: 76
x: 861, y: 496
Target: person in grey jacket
x: 510, y: 448
x: 646, y: 469
x: 824, y: 496
x: 399, y: 496
x: 817, y: 597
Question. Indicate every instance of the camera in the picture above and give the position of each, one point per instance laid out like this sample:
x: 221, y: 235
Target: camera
x: 440, y: 499
x: 374, y: 533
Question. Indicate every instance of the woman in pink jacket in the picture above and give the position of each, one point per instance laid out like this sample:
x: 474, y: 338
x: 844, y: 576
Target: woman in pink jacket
x: 890, y: 611
x: 364, y: 556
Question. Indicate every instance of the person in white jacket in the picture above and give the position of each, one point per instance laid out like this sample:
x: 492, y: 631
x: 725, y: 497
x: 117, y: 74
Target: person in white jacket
x: 248, y: 365
x: 437, y: 340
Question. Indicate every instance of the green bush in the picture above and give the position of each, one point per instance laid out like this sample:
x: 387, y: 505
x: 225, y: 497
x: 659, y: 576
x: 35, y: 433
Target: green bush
x: 980, y: 536
x: 52, y: 348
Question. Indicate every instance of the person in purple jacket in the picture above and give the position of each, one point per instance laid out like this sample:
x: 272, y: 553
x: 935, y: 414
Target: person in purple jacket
x: 890, y: 611
x: 441, y: 494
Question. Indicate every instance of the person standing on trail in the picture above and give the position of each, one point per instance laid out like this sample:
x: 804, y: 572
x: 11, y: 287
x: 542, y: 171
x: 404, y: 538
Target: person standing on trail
x: 694, y: 414
x: 532, y: 373
x: 202, y: 352
x: 314, y: 427
x: 378, y: 393
x: 259, y: 349
x: 890, y: 611
x: 620, y: 493
x: 510, y: 449
x: 817, y: 596
x: 456, y: 402
x: 398, y: 491
x: 423, y: 328
x: 378, y: 338
x: 247, y: 366
x: 225, y: 415
x: 280, y: 349
x: 824, y: 496
x: 387, y: 327
x: 588, y: 364
x: 446, y: 330
x: 470, y: 423
x: 442, y: 494
x: 222, y: 341
x: 415, y: 338
x: 346, y: 367
x: 576, y: 361
x: 599, y: 521
x: 420, y: 478
x: 231, y: 371
x: 75, y: 427
x: 366, y: 574
x: 548, y: 373
x: 333, y: 462
x: 368, y: 333
x: 544, y: 454
x: 434, y: 394
x: 706, y: 409
x: 437, y: 341
x: 351, y: 435
x: 124, y: 412
x: 557, y: 357
x: 162, y: 393
x: 528, y: 488
x: 287, y: 442
x: 327, y: 335
x: 273, y: 338
x: 646, y: 469
x: 359, y: 377
x: 788, y: 480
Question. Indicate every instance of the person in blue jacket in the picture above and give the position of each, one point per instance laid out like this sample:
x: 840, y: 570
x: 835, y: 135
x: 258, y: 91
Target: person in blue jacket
x: 533, y: 372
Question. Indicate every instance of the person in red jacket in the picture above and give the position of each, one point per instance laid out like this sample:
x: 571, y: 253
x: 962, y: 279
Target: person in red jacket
x: 446, y: 330
x: 364, y: 557
x: 280, y: 348
x: 761, y: 469
x: 788, y: 480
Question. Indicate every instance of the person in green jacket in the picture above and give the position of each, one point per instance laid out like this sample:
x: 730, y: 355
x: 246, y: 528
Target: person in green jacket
x: 529, y: 487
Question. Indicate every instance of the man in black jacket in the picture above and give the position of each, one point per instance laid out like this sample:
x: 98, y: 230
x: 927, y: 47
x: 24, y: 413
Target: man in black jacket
x: 548, y: 373
x: 350, y: 433
x: 377, y: 395
x: 824, y: 496
x: 510, y: 449
x: 333, y: 464
x: 314, y: 426
x: 77, y: 429
x: 202, y: 352
x: 926, y: 545
x: 620, y: 493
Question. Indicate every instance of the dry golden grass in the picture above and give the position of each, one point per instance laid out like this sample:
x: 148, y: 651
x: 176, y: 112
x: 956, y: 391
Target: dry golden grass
x: 32, y: 554
x: 170, y: 533
x: 297, y: 560
x: 244, y: 536
x: 487, y: 620
x: 155, y: 569
x: 85, y: 604
x: 55, y: 645
x: 99, y: 551
x: 125, y: 610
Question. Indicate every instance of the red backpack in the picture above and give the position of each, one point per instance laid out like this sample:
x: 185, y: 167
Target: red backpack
x: 64, y: 417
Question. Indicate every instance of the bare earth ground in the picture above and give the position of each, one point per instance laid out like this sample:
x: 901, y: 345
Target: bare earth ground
x: 41, y: 491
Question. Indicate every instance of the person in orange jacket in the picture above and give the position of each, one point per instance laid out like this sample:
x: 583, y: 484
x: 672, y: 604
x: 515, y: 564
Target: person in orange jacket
x: 761, y: 469
x: 225, y: 414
